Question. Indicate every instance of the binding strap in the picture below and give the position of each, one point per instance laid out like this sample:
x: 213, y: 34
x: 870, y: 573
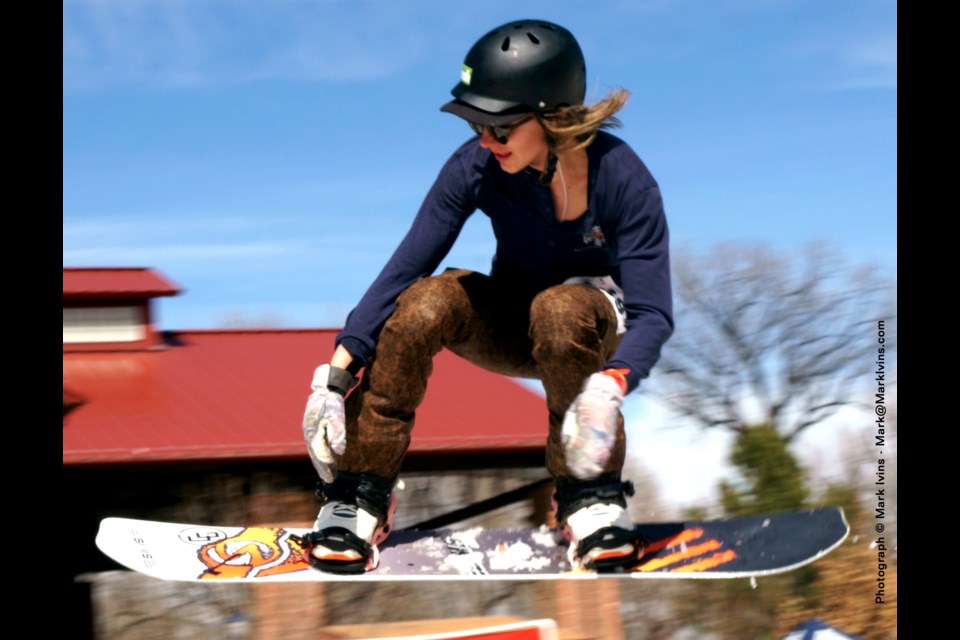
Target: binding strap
x: 370, y: 493
x: 573, y: 495
x: 337, y: 539
x: 611, y: 538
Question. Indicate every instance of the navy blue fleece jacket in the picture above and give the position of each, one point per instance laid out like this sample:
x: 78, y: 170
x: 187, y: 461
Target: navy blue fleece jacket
x: 623, y: 233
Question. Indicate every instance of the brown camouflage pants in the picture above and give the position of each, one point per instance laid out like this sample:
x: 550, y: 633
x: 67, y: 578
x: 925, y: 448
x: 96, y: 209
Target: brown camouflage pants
x: 560, y: 336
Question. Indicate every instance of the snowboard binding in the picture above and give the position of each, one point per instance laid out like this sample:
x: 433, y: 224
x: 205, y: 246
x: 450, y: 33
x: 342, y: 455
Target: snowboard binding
x: 356, y: 515
x: 602, y: 551
x: 342, y: 548
x: 594, y: 520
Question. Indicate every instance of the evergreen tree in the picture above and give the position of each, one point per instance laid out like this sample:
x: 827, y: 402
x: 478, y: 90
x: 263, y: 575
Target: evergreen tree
x: 771, y: 478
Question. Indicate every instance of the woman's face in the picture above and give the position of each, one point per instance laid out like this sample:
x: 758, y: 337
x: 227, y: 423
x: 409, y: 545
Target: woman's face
x: 525, y: 147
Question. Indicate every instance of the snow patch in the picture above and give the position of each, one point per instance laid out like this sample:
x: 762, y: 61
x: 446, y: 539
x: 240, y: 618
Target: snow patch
x: 515, y: 557
x: 462, y: 555
x: 431, y: 547
x: 467, y: 537
x: 544, y: 537
x: 465, y: 563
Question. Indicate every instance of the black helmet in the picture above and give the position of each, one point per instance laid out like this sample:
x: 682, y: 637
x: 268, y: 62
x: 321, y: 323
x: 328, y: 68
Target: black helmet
x: 519, y: 67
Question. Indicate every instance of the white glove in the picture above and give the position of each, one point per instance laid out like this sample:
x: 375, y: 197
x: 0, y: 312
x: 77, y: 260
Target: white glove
x: 324, y: 425
x: 590, y: 426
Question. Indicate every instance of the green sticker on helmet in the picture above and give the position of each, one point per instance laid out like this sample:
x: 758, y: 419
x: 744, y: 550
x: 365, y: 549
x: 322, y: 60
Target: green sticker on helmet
x: 465, y: 74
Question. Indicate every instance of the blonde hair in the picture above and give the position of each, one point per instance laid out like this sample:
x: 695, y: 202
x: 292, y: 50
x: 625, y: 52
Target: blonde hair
x: 572, y: 128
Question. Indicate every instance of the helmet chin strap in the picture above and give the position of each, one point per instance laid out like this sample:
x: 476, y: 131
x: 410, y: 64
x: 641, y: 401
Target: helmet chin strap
x: 547, y: 175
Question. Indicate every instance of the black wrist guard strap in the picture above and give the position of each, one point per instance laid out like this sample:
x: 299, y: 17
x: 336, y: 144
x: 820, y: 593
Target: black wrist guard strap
x: 340, y: 380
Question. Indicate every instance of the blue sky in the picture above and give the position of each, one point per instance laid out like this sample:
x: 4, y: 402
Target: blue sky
x: 268, y: 155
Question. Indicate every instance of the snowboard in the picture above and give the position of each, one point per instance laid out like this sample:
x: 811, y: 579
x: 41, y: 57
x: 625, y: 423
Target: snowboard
x: 722, y: 548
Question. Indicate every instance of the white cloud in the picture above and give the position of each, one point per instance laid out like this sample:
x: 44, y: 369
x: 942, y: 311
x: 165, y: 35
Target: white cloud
x: 168, y: 254
x: 869, y: 64
x: 853, y: 61
x: 173, y: 44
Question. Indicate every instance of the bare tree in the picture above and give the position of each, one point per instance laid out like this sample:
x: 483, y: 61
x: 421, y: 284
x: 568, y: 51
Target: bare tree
x: 764, y: 337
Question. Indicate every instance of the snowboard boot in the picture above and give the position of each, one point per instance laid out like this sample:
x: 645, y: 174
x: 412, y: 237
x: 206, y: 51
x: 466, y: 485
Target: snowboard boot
x: 593, y: 518
x: 356, y: 515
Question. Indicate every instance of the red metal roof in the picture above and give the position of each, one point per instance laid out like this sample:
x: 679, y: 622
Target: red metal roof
x: 115, y: 282
x: 71, y: 400
x: 241, y: 393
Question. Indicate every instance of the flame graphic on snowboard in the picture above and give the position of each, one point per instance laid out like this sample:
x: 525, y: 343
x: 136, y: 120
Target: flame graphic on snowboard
x: 255, y: 552
x: 685, y: 552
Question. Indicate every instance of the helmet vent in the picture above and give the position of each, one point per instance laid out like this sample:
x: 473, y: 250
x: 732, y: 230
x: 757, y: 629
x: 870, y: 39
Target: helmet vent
x: 534, y: 39
x: 505, y: 45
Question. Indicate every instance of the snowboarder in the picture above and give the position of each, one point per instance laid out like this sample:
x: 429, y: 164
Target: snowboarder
x: 578, y: 296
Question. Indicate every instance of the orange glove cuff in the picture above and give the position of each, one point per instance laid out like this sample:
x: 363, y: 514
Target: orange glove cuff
x: 620, y: 375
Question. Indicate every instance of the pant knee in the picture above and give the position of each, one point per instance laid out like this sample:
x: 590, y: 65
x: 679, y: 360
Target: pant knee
x: 429, y: 305
x: 567, y: 319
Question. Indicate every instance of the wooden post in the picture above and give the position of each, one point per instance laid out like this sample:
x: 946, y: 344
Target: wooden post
x: 588, y: 609
x: 286, y: 611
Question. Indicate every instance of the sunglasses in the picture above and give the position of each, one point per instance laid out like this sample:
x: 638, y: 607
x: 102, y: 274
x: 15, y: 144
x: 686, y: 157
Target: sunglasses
x: 501, y: 132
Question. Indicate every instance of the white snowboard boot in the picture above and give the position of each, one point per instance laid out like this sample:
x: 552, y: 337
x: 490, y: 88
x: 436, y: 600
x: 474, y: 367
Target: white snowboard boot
x: 601, y: 536
x: 347, y: 531
x: 593, y: 517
